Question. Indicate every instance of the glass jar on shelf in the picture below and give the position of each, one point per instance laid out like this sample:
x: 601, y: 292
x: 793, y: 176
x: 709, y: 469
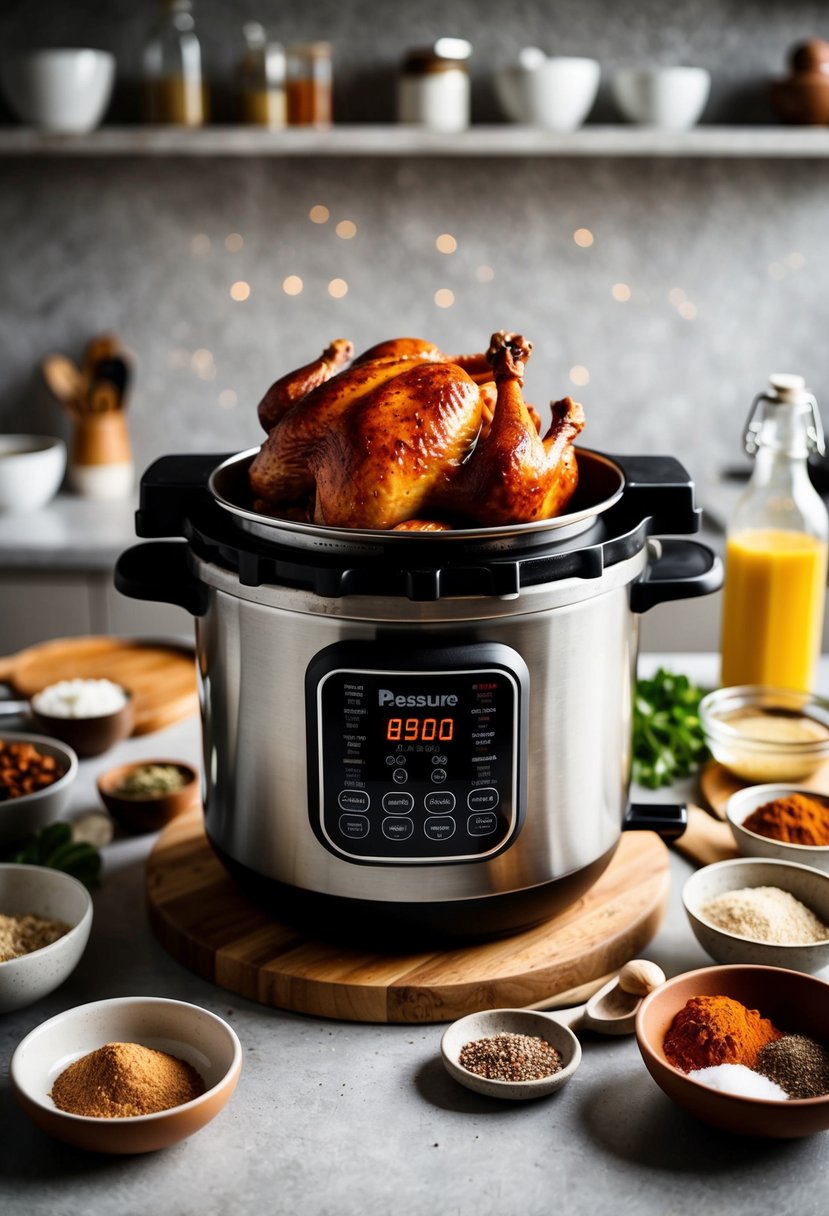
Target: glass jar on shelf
x: 262, y: 99
x: 433, y: 86
x: 776, y: 547
x: 175, y: 88
x: 310, y: 85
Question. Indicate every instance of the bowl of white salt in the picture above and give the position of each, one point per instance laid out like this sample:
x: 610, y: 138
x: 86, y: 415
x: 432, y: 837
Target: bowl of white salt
x: 772, y: 913
x: 91, y: 715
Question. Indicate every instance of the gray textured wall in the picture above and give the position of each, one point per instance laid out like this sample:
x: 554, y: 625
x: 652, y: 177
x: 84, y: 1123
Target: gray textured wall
x: 88, y: 245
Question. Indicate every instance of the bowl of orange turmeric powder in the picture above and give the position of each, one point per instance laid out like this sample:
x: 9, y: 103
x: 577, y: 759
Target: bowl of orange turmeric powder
x: 783, y: 822
x: 704, y: 1024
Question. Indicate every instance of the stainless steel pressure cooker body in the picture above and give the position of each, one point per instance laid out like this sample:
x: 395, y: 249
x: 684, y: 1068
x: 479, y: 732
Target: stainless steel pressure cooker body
x: 408, y: 733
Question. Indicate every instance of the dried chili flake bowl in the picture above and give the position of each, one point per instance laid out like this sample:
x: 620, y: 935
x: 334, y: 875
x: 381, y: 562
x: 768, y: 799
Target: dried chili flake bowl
x: 185, y: 1031
x: 795, y: 1003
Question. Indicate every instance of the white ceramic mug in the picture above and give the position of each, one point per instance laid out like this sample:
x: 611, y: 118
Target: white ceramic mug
x: 671, y: 99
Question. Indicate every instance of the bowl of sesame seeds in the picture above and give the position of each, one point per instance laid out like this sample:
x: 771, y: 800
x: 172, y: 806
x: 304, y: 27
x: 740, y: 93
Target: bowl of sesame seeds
x: 45, y: 918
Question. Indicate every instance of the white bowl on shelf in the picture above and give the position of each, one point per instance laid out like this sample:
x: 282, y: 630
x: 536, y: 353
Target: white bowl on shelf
x: 670, y: 99
x: 556, y: 93
x: 31, y: 470
x: 65, y: 90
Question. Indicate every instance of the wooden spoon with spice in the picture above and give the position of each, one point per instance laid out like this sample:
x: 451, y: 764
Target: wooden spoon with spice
x: 526, y: 1053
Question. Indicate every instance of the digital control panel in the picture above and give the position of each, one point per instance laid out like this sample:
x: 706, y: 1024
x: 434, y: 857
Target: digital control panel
x: 416, y: 762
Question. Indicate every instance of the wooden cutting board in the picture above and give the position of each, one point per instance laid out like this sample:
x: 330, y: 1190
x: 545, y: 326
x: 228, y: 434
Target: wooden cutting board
x: 162, y: 678
x: 718, y: 784
x: 206, y: 923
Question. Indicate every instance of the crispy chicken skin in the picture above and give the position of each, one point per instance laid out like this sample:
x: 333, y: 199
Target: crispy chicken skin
x: 412, y: 439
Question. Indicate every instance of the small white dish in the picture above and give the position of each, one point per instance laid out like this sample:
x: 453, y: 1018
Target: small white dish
x: 38, y: 891
x: 752, y: 844
x: 31, y: 470
x: 65, y: 90
x: 25, y: 816
x: 186, y: 1031
x: 671, y: 99
x: 810, y: 886
x: 556, y: 93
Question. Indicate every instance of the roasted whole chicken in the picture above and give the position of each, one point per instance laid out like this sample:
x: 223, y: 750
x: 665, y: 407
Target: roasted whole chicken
x: 410, y: 438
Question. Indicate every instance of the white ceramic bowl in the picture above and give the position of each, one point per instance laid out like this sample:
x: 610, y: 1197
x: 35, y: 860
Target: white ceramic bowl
x: 64, y: 90
x: 24, y: 816
x: 37, y: 891
x: 671, y: 99
x: 810, y: 886
x: 185, y: 1031
x: 555, y: 93
x: 31, y: 470
x: 752, y: 844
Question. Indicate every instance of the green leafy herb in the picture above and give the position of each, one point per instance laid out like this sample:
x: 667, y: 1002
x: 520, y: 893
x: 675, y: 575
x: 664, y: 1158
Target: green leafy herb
x: 667, y: 736
x: 53, y: 846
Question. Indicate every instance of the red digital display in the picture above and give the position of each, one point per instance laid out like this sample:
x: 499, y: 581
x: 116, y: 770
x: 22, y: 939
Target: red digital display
x: 420, y: 730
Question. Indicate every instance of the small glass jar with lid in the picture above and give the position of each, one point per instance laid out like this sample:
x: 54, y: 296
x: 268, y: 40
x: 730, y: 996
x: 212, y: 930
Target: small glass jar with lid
x: 433, y: 87
x: 310, y: 85
x: 175, y: 88
x: 262, y: 79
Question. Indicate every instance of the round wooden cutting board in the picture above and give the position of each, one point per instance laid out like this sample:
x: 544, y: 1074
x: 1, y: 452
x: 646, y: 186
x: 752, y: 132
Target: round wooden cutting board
x: 161, y: 678
x: 206, y: 923
x: 718, y: 784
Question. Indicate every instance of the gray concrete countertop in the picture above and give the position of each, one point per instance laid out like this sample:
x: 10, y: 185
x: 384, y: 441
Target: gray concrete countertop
x: 340, y: 1118
x: 68, y: 534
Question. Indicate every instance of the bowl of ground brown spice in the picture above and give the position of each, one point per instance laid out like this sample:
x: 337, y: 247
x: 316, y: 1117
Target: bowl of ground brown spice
x: 786, y: 822
x: 128, y: 1075
x: 45, y: 918
x: 743, y: 1048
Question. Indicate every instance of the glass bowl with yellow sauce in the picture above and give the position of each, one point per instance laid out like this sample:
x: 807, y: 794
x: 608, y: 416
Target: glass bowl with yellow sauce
x: 761, y: 733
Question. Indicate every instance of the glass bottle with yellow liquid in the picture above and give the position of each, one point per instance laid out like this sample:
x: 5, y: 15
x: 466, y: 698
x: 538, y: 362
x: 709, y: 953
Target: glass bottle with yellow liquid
x: 776, y: 547
x: 175, y: 87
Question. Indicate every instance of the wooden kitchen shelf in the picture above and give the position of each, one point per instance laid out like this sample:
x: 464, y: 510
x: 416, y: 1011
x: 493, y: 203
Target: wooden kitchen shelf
x: 369, y: 140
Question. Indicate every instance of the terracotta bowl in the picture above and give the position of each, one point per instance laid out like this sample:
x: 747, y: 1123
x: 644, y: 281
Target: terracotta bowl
x: 89, y: 736
x: 795, y: 1002
x: 151, y: 813
x: 186, y: 1031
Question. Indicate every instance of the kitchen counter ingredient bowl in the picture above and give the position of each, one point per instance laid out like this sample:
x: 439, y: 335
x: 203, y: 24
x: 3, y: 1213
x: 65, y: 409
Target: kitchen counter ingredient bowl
x: 25, y: 815
x: 149, y: 812
x: 556, y: 93
x: 37, y: 891
x: 810, y: 887
x: 66, y: 89
x: 752, y: 844
x: 31, y: 470
x: 186, y: 1031
x: 92, y: 735
x: 796, y: 1003
x: 761, y: 733
x: 510, y: 1021
x: 671, y: 98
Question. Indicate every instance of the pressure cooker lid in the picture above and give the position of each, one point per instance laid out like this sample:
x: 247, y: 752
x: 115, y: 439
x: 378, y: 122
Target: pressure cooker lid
x: 601, y: 485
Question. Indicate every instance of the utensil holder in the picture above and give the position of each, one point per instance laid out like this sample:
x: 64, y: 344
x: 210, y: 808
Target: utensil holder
x: 101, y: 464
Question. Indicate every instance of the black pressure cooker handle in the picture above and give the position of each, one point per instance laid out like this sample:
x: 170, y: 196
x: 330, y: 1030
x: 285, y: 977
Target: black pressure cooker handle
x: 159, y: 571
x: 681, y: 570
x: 668, y: 819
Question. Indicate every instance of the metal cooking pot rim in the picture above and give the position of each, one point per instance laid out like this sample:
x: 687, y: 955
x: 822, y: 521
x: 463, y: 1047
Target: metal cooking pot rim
x: 228, y: 485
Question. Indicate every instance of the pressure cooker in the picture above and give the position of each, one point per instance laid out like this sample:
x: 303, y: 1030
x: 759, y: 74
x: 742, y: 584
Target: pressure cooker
x: 419, y: 733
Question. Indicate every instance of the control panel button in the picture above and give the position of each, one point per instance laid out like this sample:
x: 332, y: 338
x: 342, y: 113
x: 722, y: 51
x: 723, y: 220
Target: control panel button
x: 438, y: 775
x: 401, y: 776
x: 354, y: 826
x: 482, y: 825
x: 440, y: 804
x: 397, y: 829
x: 395, y: 803
x: 483, y: 800
x: 353, y: 800
x: 439, y: 829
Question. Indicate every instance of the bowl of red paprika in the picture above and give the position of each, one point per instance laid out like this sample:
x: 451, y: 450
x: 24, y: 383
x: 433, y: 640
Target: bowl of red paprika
x: 783, y: 822
x: 728, y: 1015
